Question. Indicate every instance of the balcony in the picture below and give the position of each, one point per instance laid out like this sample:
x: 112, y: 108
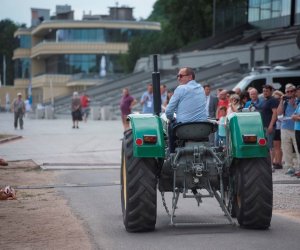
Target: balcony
x: 21, y: 83
x: 47, y: 79
x: 21, y: 53
x: 50, y: 48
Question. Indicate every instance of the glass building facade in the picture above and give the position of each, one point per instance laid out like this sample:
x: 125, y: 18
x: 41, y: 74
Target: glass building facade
x: 230, y: 14
x: 96, y: 35
x: 274, y: 13
x: 297, y: 15
x: 22, y: 68
x: 24, y: 41
x: 86, y: 64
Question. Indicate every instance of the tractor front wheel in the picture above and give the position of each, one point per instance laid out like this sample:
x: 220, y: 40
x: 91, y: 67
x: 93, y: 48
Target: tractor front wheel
x: 138, y: 189
x: 253, y: 198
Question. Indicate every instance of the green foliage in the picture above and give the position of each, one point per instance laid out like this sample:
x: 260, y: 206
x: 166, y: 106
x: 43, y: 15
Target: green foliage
x: 182, y: 22
x: 7, y: 46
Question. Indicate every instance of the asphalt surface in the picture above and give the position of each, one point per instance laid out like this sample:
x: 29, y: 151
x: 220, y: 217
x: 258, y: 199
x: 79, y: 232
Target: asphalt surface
x: 86, y: 161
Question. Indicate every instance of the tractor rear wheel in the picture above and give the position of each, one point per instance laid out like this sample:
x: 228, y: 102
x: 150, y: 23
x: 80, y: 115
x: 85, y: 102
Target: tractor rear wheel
x: 138, y: 189
x: 254, y: 193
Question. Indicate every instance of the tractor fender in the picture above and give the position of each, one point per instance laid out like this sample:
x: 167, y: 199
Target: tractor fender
x: 239, y: 125
x: 147, y: 125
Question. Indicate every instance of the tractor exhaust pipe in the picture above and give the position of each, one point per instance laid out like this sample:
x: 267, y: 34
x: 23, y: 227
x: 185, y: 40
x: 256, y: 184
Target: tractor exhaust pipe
x: 156, y: 87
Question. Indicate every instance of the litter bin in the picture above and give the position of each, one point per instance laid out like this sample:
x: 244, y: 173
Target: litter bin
x: 106, y: 113
x: 95, y: 113
x: 40, y: 111
x: 49, y: 112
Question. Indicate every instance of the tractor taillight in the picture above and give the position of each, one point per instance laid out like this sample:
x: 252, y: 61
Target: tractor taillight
x: 262, y: 141
x: 151, y: 139
x: 249, y: 138
x: 139, y: 141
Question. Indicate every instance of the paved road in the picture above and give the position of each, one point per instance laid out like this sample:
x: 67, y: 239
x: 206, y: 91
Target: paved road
x: 97, y: 143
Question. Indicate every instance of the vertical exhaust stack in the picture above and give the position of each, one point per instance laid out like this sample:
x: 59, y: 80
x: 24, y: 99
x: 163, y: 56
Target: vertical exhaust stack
x: 156, y: 87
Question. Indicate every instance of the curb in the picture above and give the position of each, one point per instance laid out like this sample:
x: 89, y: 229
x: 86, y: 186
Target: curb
x: 12, y: 138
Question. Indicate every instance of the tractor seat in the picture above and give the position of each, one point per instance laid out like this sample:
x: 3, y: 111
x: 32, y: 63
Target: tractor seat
x: 195, y: 131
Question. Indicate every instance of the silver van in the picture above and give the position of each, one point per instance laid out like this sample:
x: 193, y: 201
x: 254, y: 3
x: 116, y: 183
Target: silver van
x: 278, y: 77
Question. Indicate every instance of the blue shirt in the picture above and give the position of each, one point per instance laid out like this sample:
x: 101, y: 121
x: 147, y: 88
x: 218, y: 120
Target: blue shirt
x: 221, y: 129
x: 163, y: 97
x: 256, y: 104
x: 148, y: 104
x: 188, y: 102
x: 297, y: 112
x: 286, y: 122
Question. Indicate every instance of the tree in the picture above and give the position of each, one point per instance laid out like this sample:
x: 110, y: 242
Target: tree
x: 182, y: 22
x: 7, y: 46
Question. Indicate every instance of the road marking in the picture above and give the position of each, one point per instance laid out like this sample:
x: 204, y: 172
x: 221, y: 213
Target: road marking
x: 79, y: 166
x: 69, y: 185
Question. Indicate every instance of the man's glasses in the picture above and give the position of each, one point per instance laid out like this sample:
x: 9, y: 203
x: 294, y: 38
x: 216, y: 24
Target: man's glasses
x: 180, y: 75
x: 290, y: 91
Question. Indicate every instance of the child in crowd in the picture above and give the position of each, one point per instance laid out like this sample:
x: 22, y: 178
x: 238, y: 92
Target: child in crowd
x: 221, y: 129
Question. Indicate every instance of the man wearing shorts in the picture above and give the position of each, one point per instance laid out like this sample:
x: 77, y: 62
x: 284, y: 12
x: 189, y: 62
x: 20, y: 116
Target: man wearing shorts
x: 269, y: 115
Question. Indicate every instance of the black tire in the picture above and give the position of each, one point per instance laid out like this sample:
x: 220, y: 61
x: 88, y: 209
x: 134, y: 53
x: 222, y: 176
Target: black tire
x: 138, y: 189
x: 254, y: 193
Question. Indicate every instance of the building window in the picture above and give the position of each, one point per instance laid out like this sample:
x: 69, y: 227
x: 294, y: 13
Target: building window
x: 89, y: 66
x: 266, y: 9
x: 297, y: 15
x: 24, y: 41
x: 22, y: 68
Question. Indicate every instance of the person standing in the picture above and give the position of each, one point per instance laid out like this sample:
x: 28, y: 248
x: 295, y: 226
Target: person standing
x: 85, y: 106
x: 277, y: 160
x: 211, y: 108
x: 254, y: 102
x: 222, y: 126
x: 170, y: 92
x: 211, y: 102
x: 296, y: 118
x: 163, y: 93
x: 147, y: 100
x: 223, y: 101
x: 126, y: 104
x: 19, y: 111
x: 76, y: 110
x: 188, y: 102
x: 268, y: 111
x: 287, y: 107
x: 234, y: 104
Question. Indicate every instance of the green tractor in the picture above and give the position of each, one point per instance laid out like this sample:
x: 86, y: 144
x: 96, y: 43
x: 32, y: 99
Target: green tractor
x: 239, y: 175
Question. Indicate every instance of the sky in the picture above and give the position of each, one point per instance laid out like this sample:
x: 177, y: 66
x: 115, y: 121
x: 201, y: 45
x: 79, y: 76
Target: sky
x: 19, y: 11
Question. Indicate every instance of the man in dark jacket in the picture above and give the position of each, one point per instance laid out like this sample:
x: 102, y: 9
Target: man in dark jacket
x: 19, y: 111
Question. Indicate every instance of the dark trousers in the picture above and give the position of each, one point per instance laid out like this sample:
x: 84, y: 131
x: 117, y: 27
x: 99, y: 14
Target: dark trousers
x: 18, y: 116
x: 171, y: 136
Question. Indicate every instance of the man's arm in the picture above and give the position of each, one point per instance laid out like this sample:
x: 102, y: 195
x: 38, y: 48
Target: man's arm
x: 280, y: 107
x: 273, y: 120
x: 172, y: 106
x: 133, y: 102
x: 143, y: 99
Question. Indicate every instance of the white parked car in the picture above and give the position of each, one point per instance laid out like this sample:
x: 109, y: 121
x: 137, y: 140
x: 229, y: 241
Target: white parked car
x: 278, y: 77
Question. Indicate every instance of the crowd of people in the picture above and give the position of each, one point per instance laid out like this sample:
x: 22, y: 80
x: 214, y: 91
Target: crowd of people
x: 280, y: 113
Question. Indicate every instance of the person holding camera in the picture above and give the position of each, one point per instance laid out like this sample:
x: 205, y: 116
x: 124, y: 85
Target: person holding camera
x: 287, y: 107
x: 296, y: 118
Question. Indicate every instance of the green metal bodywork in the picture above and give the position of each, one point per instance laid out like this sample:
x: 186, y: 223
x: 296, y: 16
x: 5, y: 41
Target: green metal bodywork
x: 147, y: 124
x: 238, y: 124
x: 245, y: 123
